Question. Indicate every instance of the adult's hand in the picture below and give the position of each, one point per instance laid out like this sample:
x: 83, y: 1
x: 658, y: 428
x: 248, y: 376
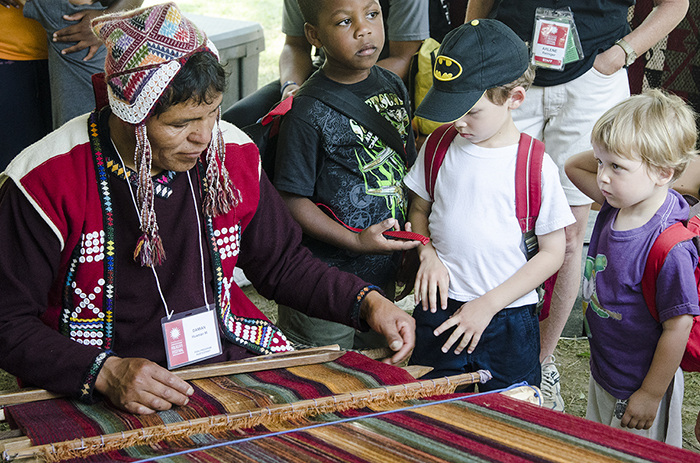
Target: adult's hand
x: 80, y: 33
x: 140, y: 386
x: 11, y: 3
x: 610, y: 61
x: 394, y: 324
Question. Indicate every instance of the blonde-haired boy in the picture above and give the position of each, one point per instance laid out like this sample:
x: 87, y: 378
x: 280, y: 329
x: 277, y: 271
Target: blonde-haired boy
x: 640, y: 147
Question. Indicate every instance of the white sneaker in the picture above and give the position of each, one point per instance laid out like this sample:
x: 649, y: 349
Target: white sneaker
x: 551, y: 390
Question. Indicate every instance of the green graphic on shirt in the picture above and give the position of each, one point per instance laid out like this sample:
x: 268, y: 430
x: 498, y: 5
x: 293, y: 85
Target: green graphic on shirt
x: 590, y: 296
x: 382, y: 168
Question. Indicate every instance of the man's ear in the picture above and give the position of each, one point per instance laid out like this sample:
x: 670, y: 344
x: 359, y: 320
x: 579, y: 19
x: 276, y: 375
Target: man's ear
x: 516, y: 98
x: 311, y: 33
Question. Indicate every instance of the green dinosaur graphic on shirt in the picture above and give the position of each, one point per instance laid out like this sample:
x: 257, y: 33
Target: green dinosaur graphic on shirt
x: 590, y: 296
x: 382, y: 168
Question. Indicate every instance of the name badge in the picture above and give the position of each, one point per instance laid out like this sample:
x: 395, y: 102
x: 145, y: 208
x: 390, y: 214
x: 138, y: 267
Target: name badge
x: 555, y: 41
x: 191, y: 336
x: 550, y: 48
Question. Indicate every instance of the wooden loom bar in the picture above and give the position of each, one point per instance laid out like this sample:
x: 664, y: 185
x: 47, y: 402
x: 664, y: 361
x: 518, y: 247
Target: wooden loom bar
x: 78, y: 448
x: 263, y: 362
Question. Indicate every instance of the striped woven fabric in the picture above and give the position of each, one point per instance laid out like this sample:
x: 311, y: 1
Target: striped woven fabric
x: 488, y: 428
x: 454, y: 427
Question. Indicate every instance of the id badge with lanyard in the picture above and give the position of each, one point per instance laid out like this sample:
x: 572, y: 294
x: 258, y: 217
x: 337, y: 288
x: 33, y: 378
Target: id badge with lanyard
x: 555, y: 41
x: 193, y: 335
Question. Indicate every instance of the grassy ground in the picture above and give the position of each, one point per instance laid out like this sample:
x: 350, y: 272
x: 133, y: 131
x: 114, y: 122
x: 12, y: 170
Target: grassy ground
x: 572, y: 354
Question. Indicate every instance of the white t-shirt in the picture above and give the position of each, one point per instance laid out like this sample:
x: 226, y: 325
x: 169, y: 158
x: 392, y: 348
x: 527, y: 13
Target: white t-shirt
x: 472, y: 223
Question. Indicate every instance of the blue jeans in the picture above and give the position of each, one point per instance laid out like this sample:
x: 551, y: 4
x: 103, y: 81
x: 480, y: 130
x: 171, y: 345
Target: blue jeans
x: 509, y: 347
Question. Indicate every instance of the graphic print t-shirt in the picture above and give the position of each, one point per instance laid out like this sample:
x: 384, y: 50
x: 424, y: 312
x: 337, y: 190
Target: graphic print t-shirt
x: 335, y: 161
x: 622, y: 333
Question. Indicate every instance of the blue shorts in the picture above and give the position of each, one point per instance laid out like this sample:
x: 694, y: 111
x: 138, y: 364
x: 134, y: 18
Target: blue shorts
x: 509, y: 347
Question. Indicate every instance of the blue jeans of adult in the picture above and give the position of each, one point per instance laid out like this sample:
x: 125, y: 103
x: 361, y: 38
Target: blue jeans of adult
x: 509, y: 347
x: 26, y: 102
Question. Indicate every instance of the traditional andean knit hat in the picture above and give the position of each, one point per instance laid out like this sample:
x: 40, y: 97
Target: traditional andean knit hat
x: 146, y: 48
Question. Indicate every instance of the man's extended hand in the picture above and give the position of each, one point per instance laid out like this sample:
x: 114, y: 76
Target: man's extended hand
x: 80, y: 33
x: 11, y: 3
x: 394, y: 324
x: 141, y: 386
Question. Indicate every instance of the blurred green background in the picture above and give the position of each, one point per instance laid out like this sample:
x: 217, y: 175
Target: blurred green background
x: 266, y: 12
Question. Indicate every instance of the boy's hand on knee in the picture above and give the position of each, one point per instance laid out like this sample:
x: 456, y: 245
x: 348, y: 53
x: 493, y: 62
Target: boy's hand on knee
x: 432, y: 275
x: 641, y: 410
x: 371, y: 241
x: 469, y: 321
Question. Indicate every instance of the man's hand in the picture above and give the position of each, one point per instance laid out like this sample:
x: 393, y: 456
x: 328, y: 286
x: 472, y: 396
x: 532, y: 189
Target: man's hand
x: 11, y: 3
x: 140, y: 386
x: 80, y: 33
x: 394, y: 324
x: 610, y: 61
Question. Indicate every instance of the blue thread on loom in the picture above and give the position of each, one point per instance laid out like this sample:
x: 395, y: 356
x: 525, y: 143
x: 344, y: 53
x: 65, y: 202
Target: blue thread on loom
x: 319, y: 425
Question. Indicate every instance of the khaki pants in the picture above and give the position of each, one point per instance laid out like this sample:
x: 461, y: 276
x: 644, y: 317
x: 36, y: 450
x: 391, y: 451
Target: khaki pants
x: 668, y: 425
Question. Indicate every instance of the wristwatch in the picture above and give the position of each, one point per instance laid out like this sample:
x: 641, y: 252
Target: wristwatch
x: 630, y: 54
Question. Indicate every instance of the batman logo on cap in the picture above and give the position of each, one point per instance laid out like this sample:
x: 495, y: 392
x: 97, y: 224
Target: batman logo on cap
x: 447, y: 69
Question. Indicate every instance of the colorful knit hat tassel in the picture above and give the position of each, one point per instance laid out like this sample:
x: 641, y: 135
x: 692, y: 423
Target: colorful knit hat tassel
x: 220, y: 197
x: 149, y: 248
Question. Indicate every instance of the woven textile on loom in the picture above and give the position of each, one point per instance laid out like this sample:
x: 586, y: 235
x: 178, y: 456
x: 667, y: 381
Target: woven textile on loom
x: 481, y: 428
x: 672, y: 64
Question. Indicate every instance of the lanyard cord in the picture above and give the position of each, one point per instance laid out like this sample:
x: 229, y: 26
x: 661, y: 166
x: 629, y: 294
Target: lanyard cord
x: 201, y: 245
x: 168, y: 313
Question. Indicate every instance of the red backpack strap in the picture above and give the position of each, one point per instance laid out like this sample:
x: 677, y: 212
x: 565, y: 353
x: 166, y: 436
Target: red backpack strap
x: 435, y: 149
x: 528, y: 181
x: 280, y: 109
x: 663, y: 244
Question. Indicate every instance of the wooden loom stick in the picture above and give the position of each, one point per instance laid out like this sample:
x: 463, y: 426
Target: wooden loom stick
x: 263, y: 362
x: 81, y: 448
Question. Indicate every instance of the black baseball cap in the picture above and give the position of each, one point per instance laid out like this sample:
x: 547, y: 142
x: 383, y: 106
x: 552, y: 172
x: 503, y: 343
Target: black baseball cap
x: 474, y: 57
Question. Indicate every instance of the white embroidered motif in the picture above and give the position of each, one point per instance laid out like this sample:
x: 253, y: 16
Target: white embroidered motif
x: 92, y: 247
x: 228, y: 240
x: 87, y: 320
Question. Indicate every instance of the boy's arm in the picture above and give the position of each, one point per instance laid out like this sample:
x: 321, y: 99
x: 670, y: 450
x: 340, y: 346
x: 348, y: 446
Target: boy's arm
x: 473, y: 317
x: 399, y: 59
x: 644, y: 403
x: 318, y: 225
x: 477, y: 9
x: 582, y: 170
x: 689, y: 182
x: 295, y: 63
x: 432, y: 274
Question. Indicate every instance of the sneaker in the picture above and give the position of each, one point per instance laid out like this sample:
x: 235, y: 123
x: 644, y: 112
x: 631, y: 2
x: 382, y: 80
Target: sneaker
x: 551, y: 390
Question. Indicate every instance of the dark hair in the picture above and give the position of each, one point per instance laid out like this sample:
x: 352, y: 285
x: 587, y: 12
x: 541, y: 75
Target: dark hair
x: 201, y: 79
x: 309, y: 10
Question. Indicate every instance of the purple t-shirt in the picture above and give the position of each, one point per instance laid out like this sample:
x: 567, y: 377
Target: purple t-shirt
x: 623, y: 334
